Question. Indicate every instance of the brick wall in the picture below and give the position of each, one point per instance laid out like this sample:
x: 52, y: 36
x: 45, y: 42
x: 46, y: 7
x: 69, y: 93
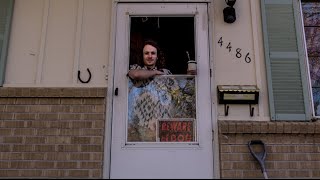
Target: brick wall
x: 293, y: 149
x: 59, y: 133
x: 52, y: 132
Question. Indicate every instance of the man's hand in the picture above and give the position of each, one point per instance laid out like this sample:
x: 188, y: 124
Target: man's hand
x: 192, y: 72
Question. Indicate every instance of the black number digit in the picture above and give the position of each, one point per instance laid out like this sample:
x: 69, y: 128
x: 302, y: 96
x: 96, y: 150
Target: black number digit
x: 238, y: 50
x: 229, y: 46
x: 220, y: 42
x: 247, y: 59
x: 238, y: 55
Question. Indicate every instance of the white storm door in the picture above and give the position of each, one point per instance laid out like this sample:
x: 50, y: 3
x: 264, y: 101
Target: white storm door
x: 178, y: 156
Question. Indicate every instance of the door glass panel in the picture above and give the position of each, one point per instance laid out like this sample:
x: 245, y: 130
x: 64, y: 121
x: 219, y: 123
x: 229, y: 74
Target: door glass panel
x: 311, y: 21
x: 163, y: 108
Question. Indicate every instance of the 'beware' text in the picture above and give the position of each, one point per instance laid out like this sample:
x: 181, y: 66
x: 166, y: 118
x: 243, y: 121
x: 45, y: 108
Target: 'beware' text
x: 176, y: 131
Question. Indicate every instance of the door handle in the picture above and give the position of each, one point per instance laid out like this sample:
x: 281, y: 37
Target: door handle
x: 116, y: 91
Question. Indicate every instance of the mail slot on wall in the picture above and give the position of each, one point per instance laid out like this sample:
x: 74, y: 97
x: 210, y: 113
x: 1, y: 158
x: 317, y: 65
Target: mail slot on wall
x: 238, y: 94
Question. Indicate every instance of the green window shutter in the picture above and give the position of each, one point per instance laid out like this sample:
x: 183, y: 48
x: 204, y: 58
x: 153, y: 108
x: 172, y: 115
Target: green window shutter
x: 287, y: 79
x: 6, y: 9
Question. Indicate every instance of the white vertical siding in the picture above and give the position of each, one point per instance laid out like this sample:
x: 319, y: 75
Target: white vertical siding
x: 95, y: 39
x: 24, y: 42
x: 245, y: 34
x: 60, y: 42
x: 51, y: 40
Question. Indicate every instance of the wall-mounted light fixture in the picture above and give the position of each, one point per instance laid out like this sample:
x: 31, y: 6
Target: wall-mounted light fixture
x: 229, y: 13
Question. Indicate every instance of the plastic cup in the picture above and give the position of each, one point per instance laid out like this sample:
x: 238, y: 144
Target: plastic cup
x: 192, y: 65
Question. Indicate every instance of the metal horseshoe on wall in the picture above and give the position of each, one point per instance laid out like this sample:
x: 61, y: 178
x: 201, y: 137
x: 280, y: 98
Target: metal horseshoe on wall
x: 81, y: 79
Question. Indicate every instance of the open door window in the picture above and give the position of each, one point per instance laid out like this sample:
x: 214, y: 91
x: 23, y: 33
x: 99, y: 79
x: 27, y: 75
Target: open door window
x: 163, y: 109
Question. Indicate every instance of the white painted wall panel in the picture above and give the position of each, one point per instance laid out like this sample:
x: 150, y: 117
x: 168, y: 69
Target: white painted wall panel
x: 231, y: 69
x: 60, y: 43
x: 94, y: 48
x: 24, y: 43
x: 245, y: 34
x: 52, y: 39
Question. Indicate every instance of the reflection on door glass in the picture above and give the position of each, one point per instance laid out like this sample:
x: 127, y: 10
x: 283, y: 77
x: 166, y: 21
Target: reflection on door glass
x: 311, y: 17
x: 162, y: 110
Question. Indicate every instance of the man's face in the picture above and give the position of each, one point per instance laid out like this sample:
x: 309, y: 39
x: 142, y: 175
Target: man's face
x: 150, y: 56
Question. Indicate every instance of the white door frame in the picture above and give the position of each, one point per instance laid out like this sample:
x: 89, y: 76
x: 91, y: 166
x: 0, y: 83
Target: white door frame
x: 110, y: 88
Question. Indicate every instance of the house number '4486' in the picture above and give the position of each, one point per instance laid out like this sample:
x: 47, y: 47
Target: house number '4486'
x: 247, y: 58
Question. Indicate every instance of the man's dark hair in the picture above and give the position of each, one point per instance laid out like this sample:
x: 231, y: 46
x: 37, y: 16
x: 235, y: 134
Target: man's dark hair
x: 160, y: 64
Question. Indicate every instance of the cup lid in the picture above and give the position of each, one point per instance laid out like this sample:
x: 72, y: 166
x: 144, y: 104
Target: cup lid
x: 192, y: 61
